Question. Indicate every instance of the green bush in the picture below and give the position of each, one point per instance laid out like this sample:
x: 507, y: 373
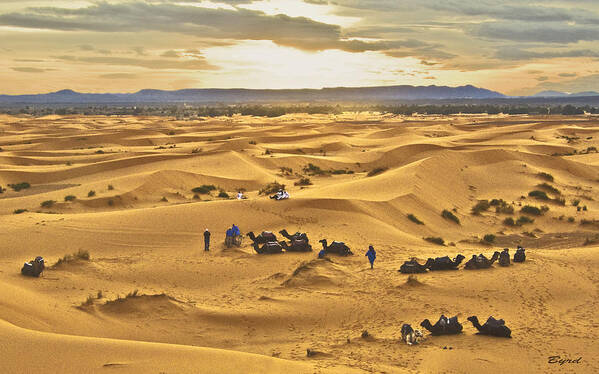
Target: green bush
x: 376, y: 171
x: 481, y: 206
x: 204, y: 189
x: 164, y: 199
x: 110, y: 187
x: 304, y: 181
x: 271, y: 188
x: 546, y: 176
x: 509, y: 221
x: 19, y: 211
x: 539, y: 195
x: 550, y: 188
x: 223, y: 194
x: 312, y: 169
x: 489, y: 238
x: 47, y: 203
x: 532, y: 210
x: 523, y: 220
x: 19, y: 186
x: 414, y: 219
x: 575, y: 202
x: 571, y: 219
x: 450, y: 216
x: 435, y: 240
x: 91, y: 193
x: 69, y: 198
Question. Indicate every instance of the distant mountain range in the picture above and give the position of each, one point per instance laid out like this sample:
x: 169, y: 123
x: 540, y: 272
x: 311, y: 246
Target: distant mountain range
x: 212, y: 95
x: 565, y: 94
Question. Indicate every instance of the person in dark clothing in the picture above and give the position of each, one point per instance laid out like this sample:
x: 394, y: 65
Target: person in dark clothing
x: 371, y: 254
x: 206, y: 240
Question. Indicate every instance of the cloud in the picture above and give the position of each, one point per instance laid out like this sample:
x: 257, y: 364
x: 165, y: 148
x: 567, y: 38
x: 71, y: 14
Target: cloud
x: 29, y: 70
x: 170, y: 54
x: 545, y: 33
x: 567, y: 75
x: 187, y: 64
x: 542, y: 79
x: 86, y: 47
x: 514, y: 53
x: 119, y: 76
x: 580, y: 84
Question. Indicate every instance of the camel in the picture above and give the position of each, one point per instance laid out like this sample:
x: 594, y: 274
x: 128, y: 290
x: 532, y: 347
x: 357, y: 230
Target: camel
x: 264, y: 237
x: 494, y: 327
x: 504, y: 257
x: 445, y: 263
x: 336, y: 247
x: 34, y: 268
x: 297, y: 245
x: 409, y: 335
x: 413, y: 267
x: 520, y: 255
x: 268, y: 248
x: 296, y: 236
x: 445, y: 326
x: 481, y: 262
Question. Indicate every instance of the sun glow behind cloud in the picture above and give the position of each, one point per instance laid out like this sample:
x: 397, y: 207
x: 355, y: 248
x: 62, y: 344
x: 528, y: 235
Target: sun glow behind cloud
x: 125, y: 45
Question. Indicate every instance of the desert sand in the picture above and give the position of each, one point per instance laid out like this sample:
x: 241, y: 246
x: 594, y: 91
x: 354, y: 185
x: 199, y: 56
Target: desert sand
x: 234, y: 311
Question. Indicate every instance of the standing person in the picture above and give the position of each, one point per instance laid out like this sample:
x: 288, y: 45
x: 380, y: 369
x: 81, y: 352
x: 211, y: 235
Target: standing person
x: 371, y: 254
x: 206, y: 240
x: 229, y: 237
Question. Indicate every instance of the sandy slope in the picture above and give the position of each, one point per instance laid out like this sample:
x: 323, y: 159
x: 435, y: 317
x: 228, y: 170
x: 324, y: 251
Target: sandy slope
x: 235, y: 311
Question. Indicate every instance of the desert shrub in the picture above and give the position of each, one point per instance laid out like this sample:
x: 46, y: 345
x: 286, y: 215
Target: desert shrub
x: 509, y: 221
x: 110, y: 202
x: 2, y: 189
x: 414, y: 219
x: 253, y: 142
x: 267, y: 152
x: 110, y: 187
x: 340, y: 171
x: 593, y: 240
x: 376, y: 171
x: 204, y: 189
x: 223, y: 194
x: 164, y: 199
x: 19, y: 186
x: 559, y: 201
x: 286, y: 170
x: 99, y: 294
x: 588, y: 222
x: 312, y: 169
x: 91, y: 193
x: 69, y: 163
x: 47, y: 203
x: 196, y: 196
x: 271, y: 188
x: 532, y: 210
x: 489, y: 238
x: 481, y: 206
x: 571, y: 219
x: 19, y: 211
x: 100, y: 152
x: 435, y: 240
x: 504, y: 209
x: 79, y: 255
x: 584, y: 208
x: 304, y: 181
x: 546, y: 176
x: 523, y: 220
x: 539, y: 195
x: 450, y: 216
x: 69, y: 198
x: 550, y: 188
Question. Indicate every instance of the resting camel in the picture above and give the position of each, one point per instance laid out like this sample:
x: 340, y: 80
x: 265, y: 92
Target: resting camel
x: 413, y: 267
x: 445, y: 263
x: 494, y: 327
x: 409, y: 335
x: 265, y: 236
x: 296, y: 236
x: 504, y: 258
x: 445, y: 326
x: 481, y: 262
x: 268, y: 248
x: 520, y: 255
x: 336, y: 247
x: 297, y: 245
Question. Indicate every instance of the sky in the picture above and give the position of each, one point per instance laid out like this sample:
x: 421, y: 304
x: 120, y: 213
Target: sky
x: 517, y: 47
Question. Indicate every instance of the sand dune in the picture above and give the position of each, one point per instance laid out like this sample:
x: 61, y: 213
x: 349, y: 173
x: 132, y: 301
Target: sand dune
x: 151, y: 300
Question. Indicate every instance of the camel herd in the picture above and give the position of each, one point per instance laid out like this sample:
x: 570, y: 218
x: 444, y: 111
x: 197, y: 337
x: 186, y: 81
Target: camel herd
x: 266, y: 243
x: 476, y: 262
x: 451, y: 326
